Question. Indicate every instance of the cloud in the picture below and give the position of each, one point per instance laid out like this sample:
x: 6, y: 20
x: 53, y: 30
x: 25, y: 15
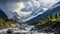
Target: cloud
x: 9, y: 8
x: 11, y: 1
x: 14, y: 7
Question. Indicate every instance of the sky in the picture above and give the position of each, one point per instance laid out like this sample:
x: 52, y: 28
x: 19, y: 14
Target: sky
x: 25, y: 9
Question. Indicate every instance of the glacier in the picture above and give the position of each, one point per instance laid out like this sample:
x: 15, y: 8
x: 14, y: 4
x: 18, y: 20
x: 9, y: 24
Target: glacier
x: 23, y: 11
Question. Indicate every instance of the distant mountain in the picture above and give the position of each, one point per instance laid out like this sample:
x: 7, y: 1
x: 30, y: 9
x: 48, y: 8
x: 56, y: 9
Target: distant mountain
x: 53, y: 10
x: 2, y: 14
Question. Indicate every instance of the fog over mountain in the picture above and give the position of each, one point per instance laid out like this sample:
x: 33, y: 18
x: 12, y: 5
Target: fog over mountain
x: 25, y: 10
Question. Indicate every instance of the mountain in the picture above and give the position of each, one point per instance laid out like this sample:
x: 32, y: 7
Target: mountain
x: 53, y: 10
x: 2, y: 14
x: 26, y: 12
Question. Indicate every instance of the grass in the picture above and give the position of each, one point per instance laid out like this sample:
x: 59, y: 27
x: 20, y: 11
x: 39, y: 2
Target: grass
x: 6, y: 23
